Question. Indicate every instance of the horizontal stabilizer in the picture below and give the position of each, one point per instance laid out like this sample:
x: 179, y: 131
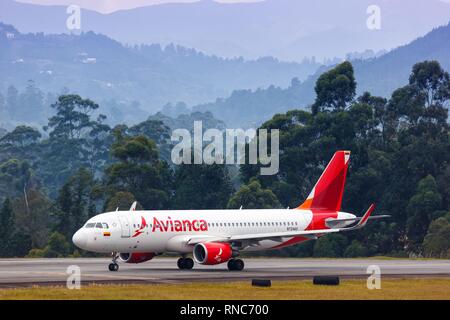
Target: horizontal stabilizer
x: 332, y: 222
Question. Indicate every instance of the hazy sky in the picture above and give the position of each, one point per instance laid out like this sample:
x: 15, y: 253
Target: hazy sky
x: 107, y: 6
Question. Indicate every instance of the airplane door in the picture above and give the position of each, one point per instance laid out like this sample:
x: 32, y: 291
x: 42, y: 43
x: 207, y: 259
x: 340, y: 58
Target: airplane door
x: 125, y: 226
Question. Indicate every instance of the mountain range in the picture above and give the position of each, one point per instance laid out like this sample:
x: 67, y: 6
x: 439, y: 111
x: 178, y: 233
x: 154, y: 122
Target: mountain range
x: 98, y: 67
x: 285, y: 29
x: 379, y: 76
x: 131, y: 82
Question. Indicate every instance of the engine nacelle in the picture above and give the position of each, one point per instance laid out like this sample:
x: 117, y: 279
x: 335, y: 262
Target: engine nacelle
x: 136, y: 257
x: 210, y: 253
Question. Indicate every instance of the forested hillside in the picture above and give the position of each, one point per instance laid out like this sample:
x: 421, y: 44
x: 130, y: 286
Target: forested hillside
x: 380, y: 76
x: 129, y: 80
x: 50, y: 184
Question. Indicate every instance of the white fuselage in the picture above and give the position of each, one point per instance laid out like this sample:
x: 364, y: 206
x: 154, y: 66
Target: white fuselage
x: 168, y: 230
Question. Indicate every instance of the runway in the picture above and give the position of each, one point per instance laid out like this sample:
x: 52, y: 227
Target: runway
x: 25, y: 272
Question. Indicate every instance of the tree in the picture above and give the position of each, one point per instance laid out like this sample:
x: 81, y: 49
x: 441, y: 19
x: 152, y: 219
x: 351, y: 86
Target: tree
x: 330, y: 246
x: 31, y: 104
x: 13, y: 240
x: 421, y: 208
x: 75, y: 141
x: 201, y: 186
x: 138, y: 171
x: 121, y: 200
x: 56, y: 247
x: 355, y: 249
x: 382, y: 116
x: 7, y: 227
x: 335, y: 88
x: 22, y: 136
x: 437, y: 241
x: 252, y: 196
x: 15, y: 178
x: 72, y: 119
x: 431, y: 82
x: 157, y: 131
x: 32, y: 215
x: 12, y: 101
x: 424, y: 98
x: 75, y: 203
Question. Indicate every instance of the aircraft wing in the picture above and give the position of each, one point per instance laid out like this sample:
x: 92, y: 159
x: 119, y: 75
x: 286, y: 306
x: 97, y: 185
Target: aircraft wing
x: 260, y: 236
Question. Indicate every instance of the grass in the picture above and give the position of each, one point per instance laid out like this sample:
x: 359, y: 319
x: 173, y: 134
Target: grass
x: 432, y: 288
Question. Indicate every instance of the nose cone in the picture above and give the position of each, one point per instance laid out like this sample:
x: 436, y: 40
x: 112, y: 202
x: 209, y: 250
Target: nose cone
x: 79, y: 239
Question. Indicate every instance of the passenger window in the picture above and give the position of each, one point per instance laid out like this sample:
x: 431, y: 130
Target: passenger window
x: 99, y: 225
x: 90, y: 225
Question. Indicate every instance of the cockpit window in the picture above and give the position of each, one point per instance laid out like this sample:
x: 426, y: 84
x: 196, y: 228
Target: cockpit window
x: 105, y: 225
x: 99, y: 225
x: 90, y: 225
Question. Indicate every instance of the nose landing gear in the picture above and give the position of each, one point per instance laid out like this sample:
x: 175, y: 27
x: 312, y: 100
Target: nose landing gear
x: 114, y: 266
x: 185, y: 263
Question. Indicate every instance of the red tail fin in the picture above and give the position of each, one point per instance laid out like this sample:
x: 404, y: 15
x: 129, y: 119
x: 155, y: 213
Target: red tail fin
x: 328, y: 191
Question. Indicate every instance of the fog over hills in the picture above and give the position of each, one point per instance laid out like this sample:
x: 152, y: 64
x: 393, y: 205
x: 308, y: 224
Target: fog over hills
x: 101, y: 68
x: 380, y: 76
x: 286, y: 29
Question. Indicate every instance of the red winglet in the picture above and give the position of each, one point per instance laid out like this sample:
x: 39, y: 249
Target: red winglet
x: 366, y: 216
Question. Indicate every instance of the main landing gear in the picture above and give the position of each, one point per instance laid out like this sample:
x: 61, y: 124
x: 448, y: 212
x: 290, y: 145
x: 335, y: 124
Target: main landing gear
x: 185, y: 263
x: 235, y: 265
x: 113, y: 266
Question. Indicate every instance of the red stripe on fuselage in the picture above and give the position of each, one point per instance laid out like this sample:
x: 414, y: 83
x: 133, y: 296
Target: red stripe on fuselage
x: 318, y: 222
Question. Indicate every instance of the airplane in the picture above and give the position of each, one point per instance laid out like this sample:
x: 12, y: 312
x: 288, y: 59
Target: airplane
x: 218, y: 236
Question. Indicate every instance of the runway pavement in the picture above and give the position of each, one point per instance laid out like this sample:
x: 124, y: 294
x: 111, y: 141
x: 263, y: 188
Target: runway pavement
x: 25, y: 272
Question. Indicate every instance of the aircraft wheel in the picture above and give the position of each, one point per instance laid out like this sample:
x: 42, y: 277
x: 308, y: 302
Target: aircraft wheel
x: 235, y: 265
x: 180, y: 263
x: 113, y: 267
x: 188, y: 263
x: 238, y: 265
x: 185, y: 263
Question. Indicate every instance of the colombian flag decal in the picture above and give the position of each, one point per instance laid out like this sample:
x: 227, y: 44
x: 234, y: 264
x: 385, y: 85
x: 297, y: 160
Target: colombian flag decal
x: 106, y: 234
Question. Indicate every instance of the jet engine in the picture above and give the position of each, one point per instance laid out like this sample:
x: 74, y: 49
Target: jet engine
x: 210, y: 253
x: 136, y: 257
